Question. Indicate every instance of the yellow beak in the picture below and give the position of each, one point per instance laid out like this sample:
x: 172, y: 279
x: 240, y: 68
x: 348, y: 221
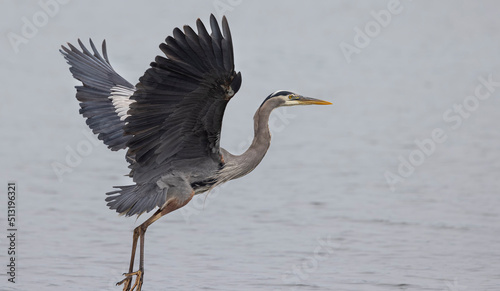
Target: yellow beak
x: 309, y: 100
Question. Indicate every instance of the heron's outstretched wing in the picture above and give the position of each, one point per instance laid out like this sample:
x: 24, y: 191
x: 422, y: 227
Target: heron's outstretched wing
x: 104, y: 96
x: 180, y: 101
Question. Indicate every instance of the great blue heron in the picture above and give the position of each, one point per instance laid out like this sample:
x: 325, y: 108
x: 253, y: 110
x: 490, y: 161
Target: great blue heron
x: 170, y: 122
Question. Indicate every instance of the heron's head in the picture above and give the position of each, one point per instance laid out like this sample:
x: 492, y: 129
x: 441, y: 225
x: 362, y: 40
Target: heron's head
x: 288, y: 98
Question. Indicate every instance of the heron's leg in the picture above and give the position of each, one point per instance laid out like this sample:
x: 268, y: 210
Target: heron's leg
x: 139, y: 233
x: 141, y: 254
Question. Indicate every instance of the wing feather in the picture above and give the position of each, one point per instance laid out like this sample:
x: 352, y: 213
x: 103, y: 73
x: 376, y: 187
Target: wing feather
x: 175, y: 119
x: 104, y: 96
x: 180, y: 101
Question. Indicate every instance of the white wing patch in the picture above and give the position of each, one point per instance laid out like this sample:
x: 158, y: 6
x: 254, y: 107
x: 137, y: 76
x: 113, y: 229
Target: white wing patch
x: 120, y: 96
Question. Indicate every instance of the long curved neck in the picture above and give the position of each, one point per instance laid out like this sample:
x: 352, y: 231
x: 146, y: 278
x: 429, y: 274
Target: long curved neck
x: 238, y: 166
x: 262, y: 136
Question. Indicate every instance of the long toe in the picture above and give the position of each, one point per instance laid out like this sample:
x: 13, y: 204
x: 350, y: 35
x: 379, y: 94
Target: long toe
x: 126, y: 283
x: 128, y: 280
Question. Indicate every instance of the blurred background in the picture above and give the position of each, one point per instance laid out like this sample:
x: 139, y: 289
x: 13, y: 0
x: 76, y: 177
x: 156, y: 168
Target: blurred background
x: 393, y: 187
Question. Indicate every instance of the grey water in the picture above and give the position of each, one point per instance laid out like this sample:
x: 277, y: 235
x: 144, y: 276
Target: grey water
x: 393, y: 187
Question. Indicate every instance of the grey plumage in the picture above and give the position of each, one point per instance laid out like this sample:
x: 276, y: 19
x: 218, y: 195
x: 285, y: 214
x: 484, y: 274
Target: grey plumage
x: 98, y: 79
x: 170, y: 122
x: 177, y: 115
x: 175, y: 112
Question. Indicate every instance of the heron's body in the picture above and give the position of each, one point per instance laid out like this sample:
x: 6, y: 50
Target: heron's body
x: 170, y: 122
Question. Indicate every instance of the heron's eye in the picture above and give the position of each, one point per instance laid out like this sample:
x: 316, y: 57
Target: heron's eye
x: 290, y: 96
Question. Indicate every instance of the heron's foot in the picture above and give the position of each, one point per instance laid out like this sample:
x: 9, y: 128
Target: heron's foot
x: 128, y: 281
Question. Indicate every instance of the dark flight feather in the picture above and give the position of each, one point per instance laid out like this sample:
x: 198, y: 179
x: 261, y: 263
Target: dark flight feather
x: 98, y: 79
x: 176, y: 118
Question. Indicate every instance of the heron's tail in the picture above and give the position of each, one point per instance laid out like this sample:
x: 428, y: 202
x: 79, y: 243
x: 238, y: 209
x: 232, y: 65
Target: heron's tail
x: 105, y: 95
x: 136, y: 199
